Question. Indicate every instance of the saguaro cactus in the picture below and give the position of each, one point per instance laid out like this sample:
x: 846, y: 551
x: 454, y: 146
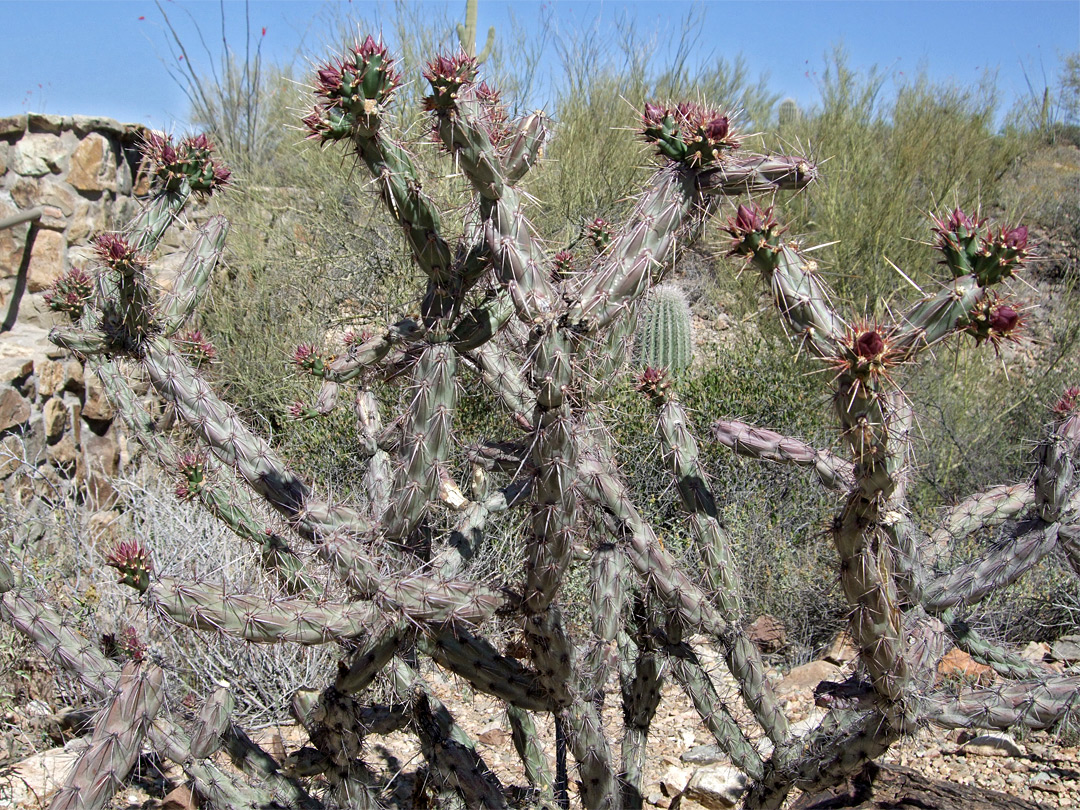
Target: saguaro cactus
x: 542, y: 339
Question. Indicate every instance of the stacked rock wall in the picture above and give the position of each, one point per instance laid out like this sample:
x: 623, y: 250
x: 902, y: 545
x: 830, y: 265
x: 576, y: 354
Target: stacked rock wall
x: 58, y: 437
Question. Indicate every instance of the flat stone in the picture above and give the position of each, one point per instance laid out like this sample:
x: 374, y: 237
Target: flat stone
x: 38, y: 154
x: 39, y: 122
x: 703, y: 755
x: 14, y: 409
x: 102, y: 453
x: 47, y: 260
x: 716, y: 787
x: 93, y: 165
x: 12, y: 241
x: 55, y: 416
x: 808, y: 676
x: 958, y: 665
x: 34, y: 780
x: 993, y: 745
x: 12, y: 125
x: 84, y: 124
x: 1066, y: 649
x: 73, y: 375
x: 15, y: 369
x: 1036, y: 652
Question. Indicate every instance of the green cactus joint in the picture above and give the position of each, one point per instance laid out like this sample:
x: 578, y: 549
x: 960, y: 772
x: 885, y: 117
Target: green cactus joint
x: 599, y: 234
x: 133, y: 563
x: 447, y: 75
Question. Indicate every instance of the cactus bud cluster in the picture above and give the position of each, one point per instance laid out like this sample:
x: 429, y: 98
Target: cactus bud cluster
x: 447, y: 75
x: 352, y: 92
x: 688, y: 133
x: 971, y: 247
x: 191, y: 161
x: 754, y: 232
x: 133, y: 563
x: 70, y: 293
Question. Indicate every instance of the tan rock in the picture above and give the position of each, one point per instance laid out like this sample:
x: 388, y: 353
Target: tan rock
x: 1036, y: 652
x: 179, y: 798
x: 55, y: 414
x: 808, y: 676
x: 73, y: 375
x: 674, y: 781
x: 103, y: 526
x: 99, y: 492
x: 12, y: 243
x: 841, y: 650
x: 95, y: 404
x: 13, y: 125
x: 958, y: 665
x: 102, y: 453
x: 50, y: 378
x: 716, y: 787
x: 93, y: 165
x: 14, y: 409
x: 42, y: 122
x: 11, y: 455
x: 25, y: 193
x: 34, y: 780
x: 47, y: 260
x: 38, y: 154
x: 87, y: 219
x: 767, y: 633
x: 64, y: 455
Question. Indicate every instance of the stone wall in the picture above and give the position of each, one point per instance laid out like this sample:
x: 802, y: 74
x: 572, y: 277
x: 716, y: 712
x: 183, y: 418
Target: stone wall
x: 83, y: 171
x: 58, y: 437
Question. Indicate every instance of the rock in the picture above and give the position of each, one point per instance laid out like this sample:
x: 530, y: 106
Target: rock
x: 40, y: 122
x: 13, y: 125
x: 96, y: 405
x: 93, y: 165
x: 958, y: 665
x: 99, y: 492
x: 38, y: 154
x: 73, y: 376
x: 1036, y: 652
x: 494, y: 737
x: 47, y: 260
x: 11, y: 455
x: 34, y: 780
x: 767, y: 633
x: 808, y: 676
x: 14, y: 409
x: 87, y: 218
x: 703, y: 755
x: 103, y: 527
x: 55, y: 415
x: 102, y: 453
x: 179, y: 798
x: 993, y: 745
x: 1066, y: 649
x: 14, y: 369
x: 83, y: 124
x: 64, y: 455
x: 50, y: 378
x: 716, y: 787
x: 842, y: 650
x: 674, y: 781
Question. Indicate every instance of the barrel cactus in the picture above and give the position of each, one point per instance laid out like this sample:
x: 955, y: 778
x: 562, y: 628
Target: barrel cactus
x: 542, y: 339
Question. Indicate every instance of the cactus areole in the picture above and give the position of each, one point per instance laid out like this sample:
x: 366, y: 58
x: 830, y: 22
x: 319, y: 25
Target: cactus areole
x: 542, y: 334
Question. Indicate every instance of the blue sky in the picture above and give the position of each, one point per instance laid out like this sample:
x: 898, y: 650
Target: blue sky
x: 109, y: 57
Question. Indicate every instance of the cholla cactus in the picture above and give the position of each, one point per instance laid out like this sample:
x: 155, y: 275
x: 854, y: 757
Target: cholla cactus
x: 542, y: 339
